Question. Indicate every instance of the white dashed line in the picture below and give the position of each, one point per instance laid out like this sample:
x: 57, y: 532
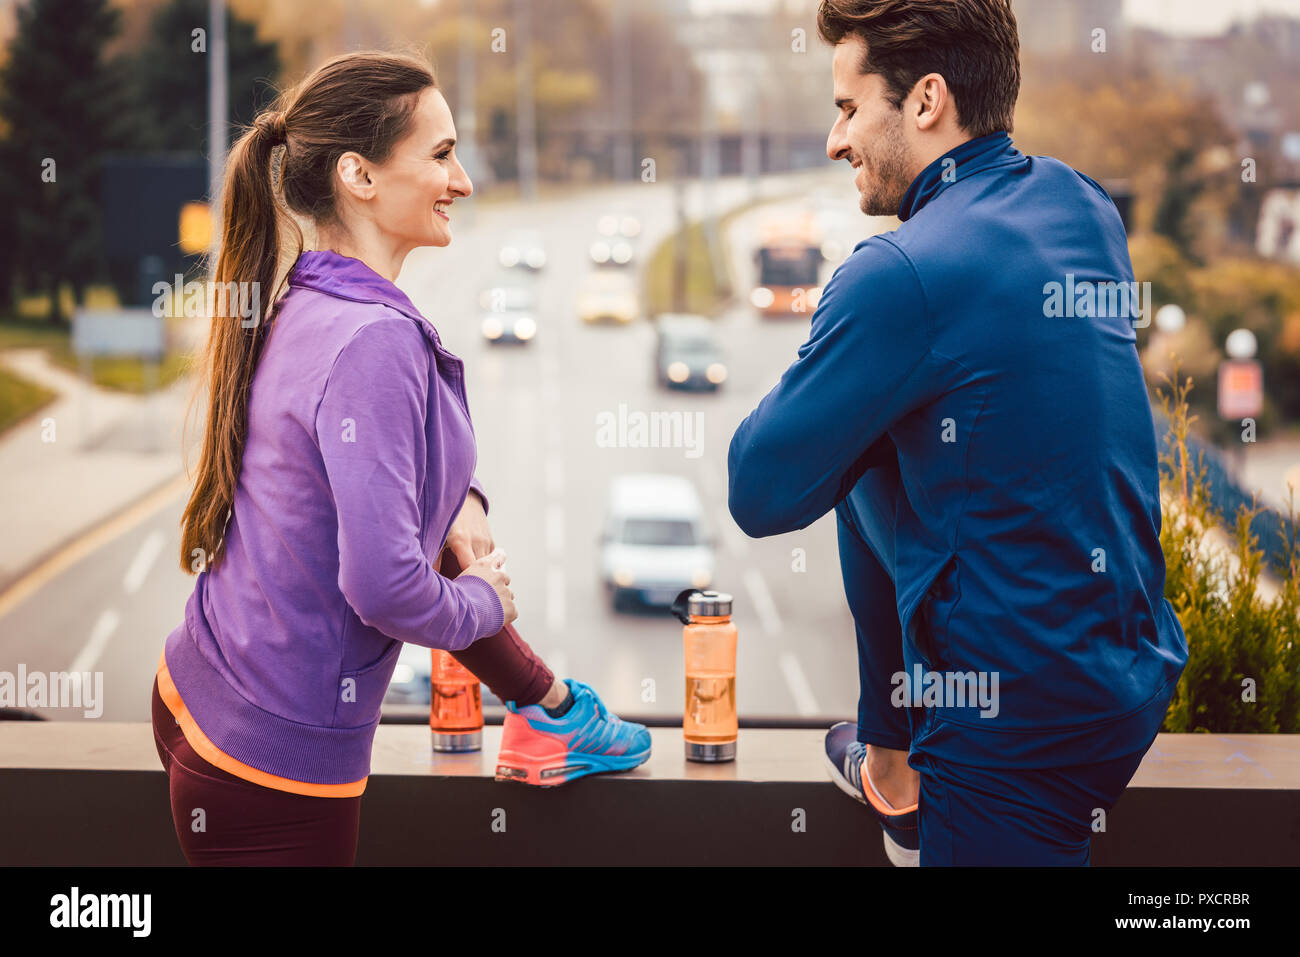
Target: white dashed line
x: 554, y: 531
x: 555, y: 612
x: 737, y: 541
x: 554, y: 475
x: 761, y: 599
x: 797, y: 681
x: 99, y: 635
x: 138, y: 570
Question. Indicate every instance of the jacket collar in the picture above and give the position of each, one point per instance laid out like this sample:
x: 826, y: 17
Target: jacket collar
x: 973, y: 156
x: 346, y: 278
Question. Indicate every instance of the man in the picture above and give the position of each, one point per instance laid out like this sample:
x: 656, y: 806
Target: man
x: 990, y: 456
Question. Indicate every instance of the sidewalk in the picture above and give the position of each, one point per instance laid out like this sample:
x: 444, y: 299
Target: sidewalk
x: 108, y: 450
x: 1268, y: 467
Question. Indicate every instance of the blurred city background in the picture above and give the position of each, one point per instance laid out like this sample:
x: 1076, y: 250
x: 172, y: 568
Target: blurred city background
x: 654, y: 216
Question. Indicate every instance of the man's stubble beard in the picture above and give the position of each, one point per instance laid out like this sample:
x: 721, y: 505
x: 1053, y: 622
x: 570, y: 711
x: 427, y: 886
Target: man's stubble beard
x: 888, y: 175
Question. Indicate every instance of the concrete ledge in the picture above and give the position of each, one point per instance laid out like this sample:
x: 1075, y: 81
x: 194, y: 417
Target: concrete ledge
x: 94, y: 794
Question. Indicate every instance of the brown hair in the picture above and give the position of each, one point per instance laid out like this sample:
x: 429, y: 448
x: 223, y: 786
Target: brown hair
x: 359, y: 102
x: 972, y: 44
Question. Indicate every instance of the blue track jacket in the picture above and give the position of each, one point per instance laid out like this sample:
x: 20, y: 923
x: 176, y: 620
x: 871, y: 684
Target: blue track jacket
x: 1028, y: 536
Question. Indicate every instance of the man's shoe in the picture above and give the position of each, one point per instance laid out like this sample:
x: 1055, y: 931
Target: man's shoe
x: 846, y: 758
x: 539, y: 749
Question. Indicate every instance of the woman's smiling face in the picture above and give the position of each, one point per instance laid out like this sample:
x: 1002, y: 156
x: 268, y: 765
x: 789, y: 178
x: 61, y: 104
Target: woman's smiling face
x: 420, y: 179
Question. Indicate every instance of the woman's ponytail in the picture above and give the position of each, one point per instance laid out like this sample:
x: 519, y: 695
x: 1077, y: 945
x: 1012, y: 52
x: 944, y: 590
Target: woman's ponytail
x: 247, y: 264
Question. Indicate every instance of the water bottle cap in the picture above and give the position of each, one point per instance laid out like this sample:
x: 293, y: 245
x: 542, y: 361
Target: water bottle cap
x: 708, y: 603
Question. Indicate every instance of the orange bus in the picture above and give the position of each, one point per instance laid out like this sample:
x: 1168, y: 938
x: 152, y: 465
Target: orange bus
x: 788, y: 264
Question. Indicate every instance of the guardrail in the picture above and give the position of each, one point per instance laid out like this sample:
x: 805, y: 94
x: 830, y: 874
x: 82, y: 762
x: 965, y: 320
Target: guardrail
x: 94, y: 794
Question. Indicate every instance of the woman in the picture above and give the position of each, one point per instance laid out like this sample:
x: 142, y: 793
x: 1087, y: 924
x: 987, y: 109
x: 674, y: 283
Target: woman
x: 336, y: 472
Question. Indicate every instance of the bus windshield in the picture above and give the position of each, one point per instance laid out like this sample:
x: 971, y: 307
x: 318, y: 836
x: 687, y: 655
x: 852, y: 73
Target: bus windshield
x: 789, y: 266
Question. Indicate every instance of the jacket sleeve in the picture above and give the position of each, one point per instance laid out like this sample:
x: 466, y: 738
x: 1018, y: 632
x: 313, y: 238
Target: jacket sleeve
x: 476, y: 486
x: 370, y: 426
x: 825, y: 422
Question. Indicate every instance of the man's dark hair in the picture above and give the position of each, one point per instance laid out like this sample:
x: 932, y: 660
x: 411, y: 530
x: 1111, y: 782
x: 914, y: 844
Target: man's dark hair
x: 972, y: 44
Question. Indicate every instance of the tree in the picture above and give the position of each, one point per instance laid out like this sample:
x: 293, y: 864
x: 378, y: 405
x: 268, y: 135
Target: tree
x: 168, y: 77
x: 61, y: 105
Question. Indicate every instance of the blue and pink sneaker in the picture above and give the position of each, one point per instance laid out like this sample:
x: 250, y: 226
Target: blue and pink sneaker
x: 539, y: 749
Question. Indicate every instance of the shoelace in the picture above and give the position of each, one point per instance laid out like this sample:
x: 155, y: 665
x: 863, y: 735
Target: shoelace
x: 854, y: 755
x: 600, y: 705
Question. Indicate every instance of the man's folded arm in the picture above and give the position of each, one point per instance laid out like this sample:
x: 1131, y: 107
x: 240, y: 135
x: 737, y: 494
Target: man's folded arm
x: 824, y: 423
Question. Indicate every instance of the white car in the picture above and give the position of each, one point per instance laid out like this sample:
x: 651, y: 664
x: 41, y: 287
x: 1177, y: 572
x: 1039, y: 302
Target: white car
x: 654, y: 543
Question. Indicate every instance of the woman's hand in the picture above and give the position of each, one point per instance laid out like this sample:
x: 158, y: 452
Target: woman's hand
x: 470, y: 538
x: 489, y: 568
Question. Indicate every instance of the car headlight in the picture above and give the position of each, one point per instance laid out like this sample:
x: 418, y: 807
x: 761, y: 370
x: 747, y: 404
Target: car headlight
x: 701, y: 578
x: 762, y: 297
x: 623, y: 578
x: 678, y: 371
x: 536, y: 258
x: 716, y: 373
x: 622, y: 253
x: 492, y: 327
x: 525, y: 327
x: 600, y: 252
x: 509, y: 256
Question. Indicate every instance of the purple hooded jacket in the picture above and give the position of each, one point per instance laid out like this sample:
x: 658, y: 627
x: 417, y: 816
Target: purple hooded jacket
x: 359, y: 455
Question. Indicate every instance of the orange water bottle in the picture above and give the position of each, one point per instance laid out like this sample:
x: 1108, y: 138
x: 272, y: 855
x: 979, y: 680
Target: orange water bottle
x: 709, y: 724
x: 456, y: 706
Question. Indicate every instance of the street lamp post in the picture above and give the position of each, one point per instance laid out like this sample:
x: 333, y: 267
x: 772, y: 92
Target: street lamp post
x: 218, y: 111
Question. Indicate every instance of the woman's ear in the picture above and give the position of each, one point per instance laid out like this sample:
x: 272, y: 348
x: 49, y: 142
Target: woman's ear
x: 354, y: 176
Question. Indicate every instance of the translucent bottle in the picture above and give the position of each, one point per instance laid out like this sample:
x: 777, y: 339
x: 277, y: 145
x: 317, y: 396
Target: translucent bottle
x: 456, y: 705
x: 709, y: 724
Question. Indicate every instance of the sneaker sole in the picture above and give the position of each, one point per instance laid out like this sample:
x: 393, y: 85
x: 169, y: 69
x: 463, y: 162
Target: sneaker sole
x: 516, y: 766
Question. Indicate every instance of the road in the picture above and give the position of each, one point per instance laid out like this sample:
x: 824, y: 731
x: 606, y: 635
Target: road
x: 535, y: 410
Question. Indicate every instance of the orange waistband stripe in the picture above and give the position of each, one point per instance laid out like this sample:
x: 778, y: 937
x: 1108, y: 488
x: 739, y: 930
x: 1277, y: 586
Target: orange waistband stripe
x: 215, y: 756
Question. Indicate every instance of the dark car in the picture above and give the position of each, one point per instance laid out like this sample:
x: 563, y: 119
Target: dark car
x: 687, y: 354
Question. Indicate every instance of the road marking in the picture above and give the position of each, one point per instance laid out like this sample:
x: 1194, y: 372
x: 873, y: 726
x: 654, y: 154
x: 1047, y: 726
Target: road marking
x: 554, y: 531
x: 737, y: 541
x: 554, y: 475
x: 800, y: 690
x: 555, y: 599
x: 90, y: 542
x: 761, y: 599
x: 99, y: 635
x: 709, y: 479
x: 139, y: 568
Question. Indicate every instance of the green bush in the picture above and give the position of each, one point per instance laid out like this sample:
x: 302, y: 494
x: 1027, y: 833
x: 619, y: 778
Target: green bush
x: 1243, y: 668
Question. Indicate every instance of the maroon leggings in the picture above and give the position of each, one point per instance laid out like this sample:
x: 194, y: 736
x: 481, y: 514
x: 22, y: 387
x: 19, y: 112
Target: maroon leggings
x: 223, y: 819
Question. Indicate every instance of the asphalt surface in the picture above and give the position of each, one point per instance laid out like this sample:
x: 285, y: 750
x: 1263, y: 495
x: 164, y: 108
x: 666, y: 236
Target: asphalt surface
x: 535, y: 411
